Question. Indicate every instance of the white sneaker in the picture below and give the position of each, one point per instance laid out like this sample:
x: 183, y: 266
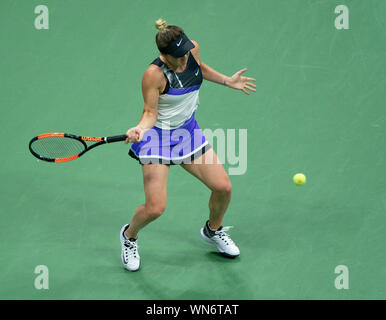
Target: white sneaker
x: 221, y: 240
x: 130, y: 255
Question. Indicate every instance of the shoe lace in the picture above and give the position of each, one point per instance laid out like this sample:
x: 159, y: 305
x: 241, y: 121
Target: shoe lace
x: 131, y: 248
x: 223, y: 236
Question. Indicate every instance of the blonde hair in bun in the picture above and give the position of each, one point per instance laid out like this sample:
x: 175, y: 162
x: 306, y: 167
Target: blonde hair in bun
x: 166, y: 34
x: 160, y: 24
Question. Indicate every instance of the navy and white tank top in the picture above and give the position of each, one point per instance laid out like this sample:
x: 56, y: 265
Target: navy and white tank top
x: 180, y: 98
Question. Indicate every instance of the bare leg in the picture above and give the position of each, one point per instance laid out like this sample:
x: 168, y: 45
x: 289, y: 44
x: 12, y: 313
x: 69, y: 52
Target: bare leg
x: 213, y: 175
x: 155, y: 182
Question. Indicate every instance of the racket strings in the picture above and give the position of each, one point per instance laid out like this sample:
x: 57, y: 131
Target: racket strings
x: 57, y: 147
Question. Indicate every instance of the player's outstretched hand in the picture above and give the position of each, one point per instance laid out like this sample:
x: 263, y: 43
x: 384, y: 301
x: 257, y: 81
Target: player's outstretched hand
x: 237, y: 81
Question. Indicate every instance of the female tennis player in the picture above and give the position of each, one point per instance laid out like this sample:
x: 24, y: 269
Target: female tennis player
x: 168, y: 134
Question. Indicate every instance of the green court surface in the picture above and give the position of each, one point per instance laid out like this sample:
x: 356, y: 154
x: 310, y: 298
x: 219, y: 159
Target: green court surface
x: 319, y: 109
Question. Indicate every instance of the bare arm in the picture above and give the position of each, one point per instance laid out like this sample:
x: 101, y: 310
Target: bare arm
x: 236, y: 81
x: 151, y: 86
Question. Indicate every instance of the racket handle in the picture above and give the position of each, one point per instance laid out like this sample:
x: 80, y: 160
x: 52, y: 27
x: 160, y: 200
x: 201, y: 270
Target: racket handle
x: 116, y: 138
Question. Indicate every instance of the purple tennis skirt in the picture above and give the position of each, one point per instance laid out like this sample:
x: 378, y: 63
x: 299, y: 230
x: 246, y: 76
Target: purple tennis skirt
x: 171, y: 147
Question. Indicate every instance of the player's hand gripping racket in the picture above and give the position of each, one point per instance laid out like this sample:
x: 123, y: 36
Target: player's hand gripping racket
x: 62, y: 147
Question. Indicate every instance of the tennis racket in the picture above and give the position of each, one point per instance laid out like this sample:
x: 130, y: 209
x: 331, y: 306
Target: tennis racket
x: 62, y: 147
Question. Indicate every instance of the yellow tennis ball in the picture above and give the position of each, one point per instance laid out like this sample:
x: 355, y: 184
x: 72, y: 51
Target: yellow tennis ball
x: 299, y: 179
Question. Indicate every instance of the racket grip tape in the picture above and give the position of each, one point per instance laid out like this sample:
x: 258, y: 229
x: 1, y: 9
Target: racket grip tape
x: 116, y: 138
